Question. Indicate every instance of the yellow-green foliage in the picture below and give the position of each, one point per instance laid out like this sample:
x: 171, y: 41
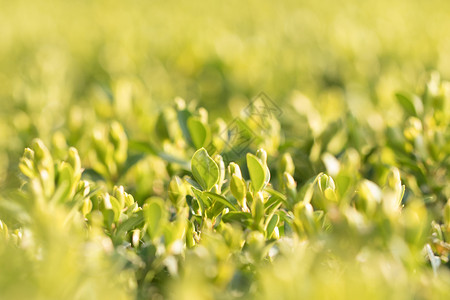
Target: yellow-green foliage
x: 310, y: 161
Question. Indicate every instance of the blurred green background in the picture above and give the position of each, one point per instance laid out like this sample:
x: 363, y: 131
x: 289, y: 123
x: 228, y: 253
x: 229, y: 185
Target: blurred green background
x: 67, y: 64
x: 125, y: 59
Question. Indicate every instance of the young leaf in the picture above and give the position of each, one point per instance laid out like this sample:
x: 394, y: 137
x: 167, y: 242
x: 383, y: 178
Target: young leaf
x: 270, y: 226
x: 238, y: 189
x: 447, y: 213
x: 287, y: 164
x: 86, y: 206
x: 155, y: 216
x: 411, y: 104
x: 241, y: 217
x: 116, y: 208
x: 198, y: 131
x: 222, y: 200
x: 257, y: 172
x: 131, y: 223
x: 202, y: 199
x: 221, y: 164
x: 183, y: 115
x: 204, y: 169
x: 258, y: 209
x: 262, y: 155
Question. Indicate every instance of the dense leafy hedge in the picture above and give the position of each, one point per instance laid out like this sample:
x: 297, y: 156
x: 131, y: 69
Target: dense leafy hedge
x: 332, y: 183
x: 226, y: 221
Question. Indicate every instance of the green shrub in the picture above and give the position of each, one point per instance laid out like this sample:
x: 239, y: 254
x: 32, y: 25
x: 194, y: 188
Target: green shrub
x: 334, y: 187
x: 371, y: 224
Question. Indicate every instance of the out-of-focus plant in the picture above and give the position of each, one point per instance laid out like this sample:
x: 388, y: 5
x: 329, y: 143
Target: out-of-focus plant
x: 48, y: 251
x: 220, y: 232
x: 420, y: 142
x: 336, y: 192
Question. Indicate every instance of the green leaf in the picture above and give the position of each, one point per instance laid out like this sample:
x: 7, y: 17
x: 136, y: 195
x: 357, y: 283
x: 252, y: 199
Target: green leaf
x: 287, y: 164
x: 190, y: 230
x: 93, y: 175
x: 222, y: 200
x: 62, y: 192
x: 238, y: 189
x: 155, y: 216
x: 202, y: 199
x: 276, y: 197
x: 86, y: 206
x: 257, y: 172
x: 116, y: 207
x: 161, y: 125
x: 270, y: 210
x: 109, y: 203
x: 183, y: 115
x: 262, y: 155
x: 174, y: 231
x: 258, y: 209
x: 215, y: 210
x: 243, y: 218
x: 307, y: 191
x: 204, y: 169
x: 177, y: 191
x: 447, y: 213
x: 221, y: 164
x: 27, y: 167
x: 74, y: 160
x: 65, y: 182
x: 270, y: 226
x: 136, y: 220
x: 198, y: 131
x: 411, y: 104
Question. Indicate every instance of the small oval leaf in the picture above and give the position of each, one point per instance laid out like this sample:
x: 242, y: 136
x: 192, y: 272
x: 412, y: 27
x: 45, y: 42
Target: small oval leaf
x: 238, y: 189
x: 257, y: 172
x: 155, y: 216
x: 204, y: 169
x: 198, y: 131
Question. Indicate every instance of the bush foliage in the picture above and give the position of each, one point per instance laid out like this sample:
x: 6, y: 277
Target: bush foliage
x: 336, y: 186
